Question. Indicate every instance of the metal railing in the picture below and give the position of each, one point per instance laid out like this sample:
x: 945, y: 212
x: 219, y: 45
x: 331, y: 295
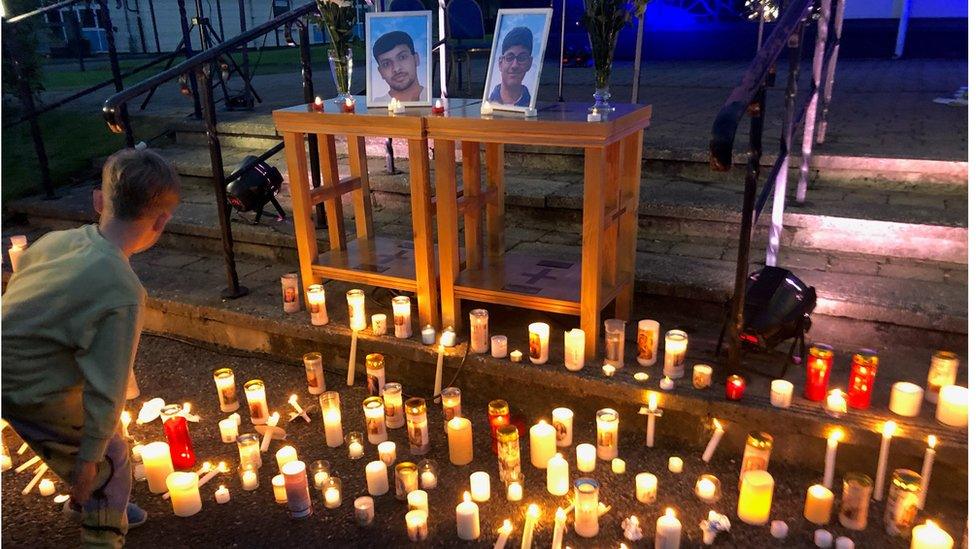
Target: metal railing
x: 750, y: 97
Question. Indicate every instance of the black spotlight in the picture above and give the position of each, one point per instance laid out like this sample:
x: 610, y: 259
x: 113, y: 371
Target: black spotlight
x: 777, y: 307
x: 255, y: 188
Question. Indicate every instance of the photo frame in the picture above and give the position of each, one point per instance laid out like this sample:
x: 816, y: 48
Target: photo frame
x: 518, y: 50
x: 398, y: 58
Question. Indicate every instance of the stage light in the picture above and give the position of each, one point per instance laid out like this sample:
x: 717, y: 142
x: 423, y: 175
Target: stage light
x: 255, y: 188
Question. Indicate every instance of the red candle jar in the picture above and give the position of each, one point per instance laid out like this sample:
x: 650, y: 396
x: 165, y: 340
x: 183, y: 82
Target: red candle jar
x: 819, y: 361
x: 864, y: 368
x: 438, y: 107
x: 318, y: 105
x: 178, y: 437
x: 735, y: 387
x: 349, y: 105
x: 498, y: 416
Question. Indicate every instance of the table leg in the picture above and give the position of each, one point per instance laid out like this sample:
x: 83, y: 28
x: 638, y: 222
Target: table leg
x: 423, y: 232
x: 298, y: 185
x: 445, y: 179
x: 630, y: 178
x: 360, y: 197
x: 495, y: 225
x: 471, y: 177
x: 594, y: 178
x: 330, y: 179
x: 613, y: 204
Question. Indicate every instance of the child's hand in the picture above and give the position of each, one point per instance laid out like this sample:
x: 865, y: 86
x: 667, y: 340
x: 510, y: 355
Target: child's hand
x: 82, y: 479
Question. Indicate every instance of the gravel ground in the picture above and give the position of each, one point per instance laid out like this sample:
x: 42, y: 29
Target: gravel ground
x: 179, y: 372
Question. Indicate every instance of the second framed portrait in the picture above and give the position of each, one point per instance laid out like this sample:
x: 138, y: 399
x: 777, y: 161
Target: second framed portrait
x: 517, y: 53
x: 398, y: 60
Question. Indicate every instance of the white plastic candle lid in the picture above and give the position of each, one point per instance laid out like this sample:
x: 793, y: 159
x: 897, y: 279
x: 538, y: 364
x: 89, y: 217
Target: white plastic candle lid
x: 843, y: 542
x: 150, y: 410
x: 779, y: 529
x: 823, y: 538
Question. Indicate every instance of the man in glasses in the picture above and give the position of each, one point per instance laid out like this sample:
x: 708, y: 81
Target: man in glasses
x: 515, y: 61
x: 397, y: 61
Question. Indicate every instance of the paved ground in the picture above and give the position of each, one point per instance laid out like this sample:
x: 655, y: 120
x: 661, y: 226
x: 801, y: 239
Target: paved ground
x: 252, y: 519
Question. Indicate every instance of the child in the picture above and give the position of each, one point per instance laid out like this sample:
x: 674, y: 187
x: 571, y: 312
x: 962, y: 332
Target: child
x: 72, y: 315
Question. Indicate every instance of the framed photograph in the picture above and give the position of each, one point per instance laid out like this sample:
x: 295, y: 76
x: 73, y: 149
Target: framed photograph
x: 398, y: 58
x: 517, y: 53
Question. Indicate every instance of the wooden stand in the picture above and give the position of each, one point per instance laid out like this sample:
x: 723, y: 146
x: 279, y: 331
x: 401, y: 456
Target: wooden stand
x: 611, y: 191
x: 366, y: 259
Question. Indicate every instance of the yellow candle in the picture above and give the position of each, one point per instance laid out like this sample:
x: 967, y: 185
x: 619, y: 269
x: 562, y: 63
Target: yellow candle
x: 953, y: 406
x: 256, y: 401
x: 557, y: 475
x: 184, y: 493
x: 278, y: 485
x: 285, y: 454
x: 542, y: 444
x: 820, y: 501
x: 618, y: 466
x: 574, y: 341
x: 755, y: 497
x: 159, y: 465
x: 930, y: 536
x: 646, y: 487
x: 459, y: 441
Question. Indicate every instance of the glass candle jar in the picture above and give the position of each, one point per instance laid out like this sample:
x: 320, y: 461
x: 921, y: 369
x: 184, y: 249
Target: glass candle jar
x: 393, y: 405
x: 226, y: 389
x: 417, y: 433
x: 478, y: 320
x: 314, y: 375
x: 364, y: 511
x: 902, y: 506
x: 356, y: 303
x: 375, y: 374
x: 820, y: 360
x: 332, y: 492
x: 539, y: 342
x: 257, y: 402
x: 509, y: 454
x: 942, y: 373
x: 587, y: 507
x: 402, y: 324
x: 864, y: 368
x: 498, y: 416
x: 708, y: 488
x: 289, y: 293
x: 675, y: 348
x: 451, y: 404
x: 321, y: 471
x: 373, y: 411
x: 178, y: 437
x: 316, y: 305
x: 249, y: 476
x: 755, y: 456
x: 354, y: 443
x: 515, y: 488
x: 836, y: 403
x: 249, y: 450
x: 856, y: 501
x: 331, y: 418
x: 428, y: 474
x: 613, y: 336
x: 701, y: 376
x: 406, y: 478
x: 735, y: 387
x: 607, y: 424
x: 378, y: 324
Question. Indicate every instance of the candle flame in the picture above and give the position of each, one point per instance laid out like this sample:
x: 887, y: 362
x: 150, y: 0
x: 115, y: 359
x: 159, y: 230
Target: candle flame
x: 222, y: 467
x: 206, y: 467
x: 533, y: 511
x: 932, y: 441
x: 560, y: 513
x: 467, y: 496
x: 222, y: 487
x: 652, y: 398
x: 634, y: 520
x: 348, y: 101
x: 889, y: 428
x: 126, y: 417
x: 837, y: 435
x: 669, y: 512
x: 542, y: 422
x: 293, y: 399
x: 506, y: 528
x: 718, y: 425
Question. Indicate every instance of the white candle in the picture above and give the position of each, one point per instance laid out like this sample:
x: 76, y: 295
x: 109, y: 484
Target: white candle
x: 268, y: 433
x: 607, y: 423
x: 222, y: 494
x: 528, y: 530
x: 38, y: 473
x: 647, y: 340
x: 478, y: 321
x: 387, y: 452
x: 278, y: 487
x: 755, y: 497
x: 614, y: 340
x: 675, y: 464
x: 645, y: 487
x: 459, y: 441
x: 211, y: 473
x: 675, y: 348
x: 314, y: 377
x: 843, y: 542
x: 942, y: 372
x: 557, y: 475
x: 831, y: 457
x: 296, y: 487
x: 779, y: 529
x: 818, y: 505
x: 836, y: 403
x: 562, y: 420
x: 354, y: 440
x: 587, y: 508
x: 228, y: 430
x: 503, y: 533
x: 374, y: 412
x: 416, y: 525
x: 378, y: 323
x: 823, y: 539
x: 257, y: 402
x: 667, y: 535
x: 289, y: 293
x: 428, y: 335
x: 927, y: 471
x: 701, y: 376
x: 539, y: 342
x: 417, y: 499
x: 499, y: 346
x: 652, y: 398
x: 609, y: 370
x: 402, y: 323
x: 666, y: 384
x: 514, y: 490
x: 713, y: 442
x: 618, y: 466
x: 249, y: 479
x: 299, y: 411
x: 542, y: 444
x: 574, y: 343
x: 159, y: 465
x: 559, y: 528
x: 364, y: 510
x: 906, y: 399
x: 585, y: 457
x: 125, y: 419
x: 285, y: 454
x: 331, y: 418
x: 45, y: 488
x: 781, y: 393
x: 377, y: 478
x: 317, y: 311
x: 184, y: 493
x: 393, y: 402
x: 515, y: 356
x: 468, y: 521
x: 332, y: 495
x: 881, y: 474
x: 351, y: 371
x: 930, y: 536
x: 480, y: 486
x: 953, y: 406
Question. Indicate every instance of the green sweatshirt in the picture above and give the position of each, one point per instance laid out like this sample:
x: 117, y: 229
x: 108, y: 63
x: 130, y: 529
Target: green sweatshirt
x: 72, y: 315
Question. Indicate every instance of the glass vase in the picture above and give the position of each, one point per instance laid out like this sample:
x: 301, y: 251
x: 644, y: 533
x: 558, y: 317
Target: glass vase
x: 603, y: 48
x: 341, y: 66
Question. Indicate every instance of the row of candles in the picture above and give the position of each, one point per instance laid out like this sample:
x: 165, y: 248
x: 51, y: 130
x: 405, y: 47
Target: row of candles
x: 906, y: 398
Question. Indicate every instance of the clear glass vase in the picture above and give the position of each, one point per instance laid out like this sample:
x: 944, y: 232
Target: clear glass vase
x: 341, y: 66
x: 603, y: 48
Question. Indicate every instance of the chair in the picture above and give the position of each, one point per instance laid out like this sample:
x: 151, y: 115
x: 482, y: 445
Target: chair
x: 466, y: 35
x: 406, y: 5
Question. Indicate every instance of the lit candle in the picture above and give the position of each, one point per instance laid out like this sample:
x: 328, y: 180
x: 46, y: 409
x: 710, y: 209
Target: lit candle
x: 607, y: 423
x: 542, y: 444
x: 272, y: 422
x: 514, y: 490
x: 468, y: 522
x: 528, y: 530
x: 296, y: 488
x: 18, y: 243
x: 446, y: 336
x: 755, y: 497
x: 314, y: 376
x: 222, y: 494
x: 321, y: 471
x: 942, y: 372
x: 378, y: 323
x: 708, y: 488
x: 515, y: 356
x: 902, y: 505
x: 45, y: 488
x: 299, y: 411
x: 257, y: 402
x: 331, y: 418
x: 668, y: 532
x: 416, y: 525
x: 184, y: 493
x: 450, y: 404
x: 332, y: 493
x: 886, y: 433
x: 613, y: 336
x: 285, y: 454
x: 735, y: 387
x: 509, y: 453
x: 364, y: 510
x: 459, y: 441
x: 701, y: 376
x: 480, y: 486
x: 755, y: 454
x: 781, y: 393
x: 438, y: 107
x: 399, y: 108
x: 666, y: 383
x: 558, y: 529
x: 318, y: 105
x: 618, y: 466
x: 478, y: 321
x: 713, y: 442
x: 831, y: 457
x: 387, y: 452
x: 645, y: 487
x: 417, y: 499
x: 585, y: 457
x: 652, y: 413
x: 587, y: 507
x: 38, y: 473
x: 393, y: 403
x: 428, y: 474
x: 562, y: 421
x: 930, y: 536
x: 289, y: 293
x: 249, y: 450
x: 278, y: 487
x: 818, y: 505
x: 498, y: 417
x: 557, y: 475
x: 375, y: 422
x: 836, y: 403
x: 675, y: 348
x: 178, y: 436
x: 953, y: 406
x: 503, y: 533
x: 317, y: 311
x: 539, y: 342
x: 228, y: 430
x: 647, y: 335
x: 377, y: 478
x: 499, y: 346
x: 864, y: 368
x: 676, y: 465
x: 349, y: 105
x: 354, y: 443
x: 906, y: 399
x: 820, y: 359
x: 226, y: 389
x: 927, y: 471
x: 855, y: 502
x: 428, y: 335
x: 574, y: 344
x: 159, y: 465
x: 249, y: 477
x: 609, y: 370
x: 417, y: 430
x: 402, y: 323
x: 125, y: 419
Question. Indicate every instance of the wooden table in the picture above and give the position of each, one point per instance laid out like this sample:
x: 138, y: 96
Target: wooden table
x: 611, y: 191
x: 407, y: 265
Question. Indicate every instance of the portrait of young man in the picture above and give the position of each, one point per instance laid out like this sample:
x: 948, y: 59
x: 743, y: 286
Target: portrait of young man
x: 517, y: 53
x: 399, y: 56
x: 513, y: 63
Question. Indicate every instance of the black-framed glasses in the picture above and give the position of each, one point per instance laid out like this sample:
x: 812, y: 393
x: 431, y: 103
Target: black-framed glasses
x: 510, y: 58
